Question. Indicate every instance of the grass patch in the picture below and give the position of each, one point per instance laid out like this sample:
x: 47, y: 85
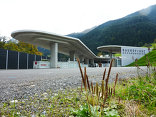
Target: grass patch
x: 46, y: 104
x: 141, y: 92
x: 65, y: 103
x: 143, y: 60
x: 117, y: 55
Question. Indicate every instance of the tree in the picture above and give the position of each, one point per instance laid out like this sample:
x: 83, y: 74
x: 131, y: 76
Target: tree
x: 28, y: 48
x: 11, y: 46
x: 140, y: 44
x: 154, y: 40
x: 2, y: 41
x: 18, y: 46
x: 147, y: 45
x: 99, y: 54
x: 3, y: 38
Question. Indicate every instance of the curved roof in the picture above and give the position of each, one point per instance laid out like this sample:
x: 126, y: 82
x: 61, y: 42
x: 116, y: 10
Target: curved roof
x: 44, y: 39
x: 110, y: 48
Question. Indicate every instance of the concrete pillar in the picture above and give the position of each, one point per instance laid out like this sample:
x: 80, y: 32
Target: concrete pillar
x: 72, y: 55
x: 86, y: 61
x: 110, y: 56
x: 54, y: 55
x: 81, y: 59
x: 92, y: 61
x: 113, y: 64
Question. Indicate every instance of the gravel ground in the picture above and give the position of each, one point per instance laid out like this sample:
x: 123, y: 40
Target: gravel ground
x: 24, y: 83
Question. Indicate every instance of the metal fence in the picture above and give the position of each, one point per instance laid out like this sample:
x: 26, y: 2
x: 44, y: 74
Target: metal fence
x: 18, y: 60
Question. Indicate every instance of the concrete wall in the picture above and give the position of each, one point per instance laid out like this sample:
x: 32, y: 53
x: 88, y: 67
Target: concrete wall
x: 46, y: 64
x: 70, y: 64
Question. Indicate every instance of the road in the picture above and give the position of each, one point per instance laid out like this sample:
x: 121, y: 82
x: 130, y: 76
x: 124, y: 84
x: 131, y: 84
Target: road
x: 25, y: 83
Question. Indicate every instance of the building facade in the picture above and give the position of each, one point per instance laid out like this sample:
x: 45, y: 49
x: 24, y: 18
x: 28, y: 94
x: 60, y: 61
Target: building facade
x: 130, y: 54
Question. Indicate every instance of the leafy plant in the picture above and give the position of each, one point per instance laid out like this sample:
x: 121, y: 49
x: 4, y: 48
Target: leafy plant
x: 94, y: 111
x: 83, y: 111
x: 143, y: 92
x: 111, y: 112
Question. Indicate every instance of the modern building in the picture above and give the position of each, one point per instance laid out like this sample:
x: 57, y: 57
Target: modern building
x: 77, y: 49
x: 128, y: 53
x: 57, y: 43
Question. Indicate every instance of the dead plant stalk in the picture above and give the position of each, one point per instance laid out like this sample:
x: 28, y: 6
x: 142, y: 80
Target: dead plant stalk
x: 106, y: 86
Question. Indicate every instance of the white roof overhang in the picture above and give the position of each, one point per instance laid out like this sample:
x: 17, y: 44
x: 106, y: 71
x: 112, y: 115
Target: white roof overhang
x: 44, y: 39
x: 110, y: 48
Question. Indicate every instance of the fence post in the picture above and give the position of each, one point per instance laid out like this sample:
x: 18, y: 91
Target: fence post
x: 18, y: 61
x: 27, y: 60
x: 6, y: 59
x: 41, y: 58
x: 35, y: 57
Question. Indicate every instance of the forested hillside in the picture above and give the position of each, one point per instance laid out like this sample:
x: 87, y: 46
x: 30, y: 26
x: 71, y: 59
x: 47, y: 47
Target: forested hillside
x: 135, y: 29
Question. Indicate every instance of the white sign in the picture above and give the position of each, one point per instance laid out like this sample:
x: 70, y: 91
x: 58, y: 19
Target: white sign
x: 41, y: 64
x: 130, y: 54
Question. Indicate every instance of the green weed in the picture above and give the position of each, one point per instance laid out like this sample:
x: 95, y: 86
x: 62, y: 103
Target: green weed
x: 143, y: 92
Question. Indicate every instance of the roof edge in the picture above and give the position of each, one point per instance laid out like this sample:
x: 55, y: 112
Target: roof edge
x: 13, y: 34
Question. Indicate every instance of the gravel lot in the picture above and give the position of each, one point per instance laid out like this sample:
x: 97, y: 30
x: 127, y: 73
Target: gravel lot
x: 24, y: 83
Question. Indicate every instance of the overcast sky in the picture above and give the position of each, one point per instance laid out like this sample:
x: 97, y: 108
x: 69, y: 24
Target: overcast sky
x: 63, y: 16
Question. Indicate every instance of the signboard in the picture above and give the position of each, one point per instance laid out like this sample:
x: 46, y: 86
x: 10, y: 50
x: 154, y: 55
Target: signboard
x: 130, y: 54
x: 41, y: 64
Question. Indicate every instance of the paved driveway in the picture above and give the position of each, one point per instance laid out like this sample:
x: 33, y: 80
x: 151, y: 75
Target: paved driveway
x: 24, y: 83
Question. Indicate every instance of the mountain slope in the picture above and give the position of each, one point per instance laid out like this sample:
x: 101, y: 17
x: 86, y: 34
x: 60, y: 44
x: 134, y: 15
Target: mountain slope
x: 80, y: 34
x: 135, y: 29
